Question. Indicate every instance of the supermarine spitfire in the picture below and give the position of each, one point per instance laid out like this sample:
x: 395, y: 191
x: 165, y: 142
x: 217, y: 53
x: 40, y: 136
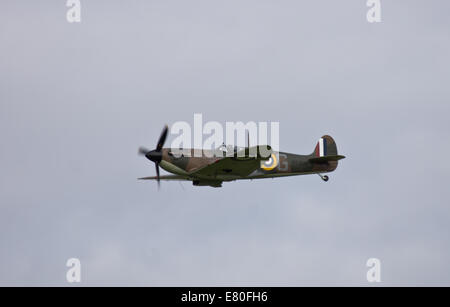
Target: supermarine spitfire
x: 237, y: 164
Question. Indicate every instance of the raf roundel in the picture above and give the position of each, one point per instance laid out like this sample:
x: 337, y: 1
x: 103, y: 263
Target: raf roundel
x: 270, y: 164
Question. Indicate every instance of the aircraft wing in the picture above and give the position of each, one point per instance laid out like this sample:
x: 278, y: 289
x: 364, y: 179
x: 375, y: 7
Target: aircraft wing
x: 228, y: 166
x: 241, y: 164
x: 165, y: 177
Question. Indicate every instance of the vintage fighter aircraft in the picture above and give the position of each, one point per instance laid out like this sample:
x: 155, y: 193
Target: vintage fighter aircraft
x: 212, y: 171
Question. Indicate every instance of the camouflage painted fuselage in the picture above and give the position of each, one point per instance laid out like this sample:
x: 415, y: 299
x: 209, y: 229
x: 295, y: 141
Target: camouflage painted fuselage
x: 288, y: 164
x: 203, y: 168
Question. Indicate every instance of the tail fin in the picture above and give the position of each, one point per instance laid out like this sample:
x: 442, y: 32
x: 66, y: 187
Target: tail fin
x: 325, y: 150
x: 325, y: 147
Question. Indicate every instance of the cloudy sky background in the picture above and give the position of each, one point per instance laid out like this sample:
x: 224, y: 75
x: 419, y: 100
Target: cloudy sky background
x: 77, y: 100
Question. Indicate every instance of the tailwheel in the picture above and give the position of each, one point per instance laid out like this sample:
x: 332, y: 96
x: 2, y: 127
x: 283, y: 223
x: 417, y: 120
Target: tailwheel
x: 324, y: 177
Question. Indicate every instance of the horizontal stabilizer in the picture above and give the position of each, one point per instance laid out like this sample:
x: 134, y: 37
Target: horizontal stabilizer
x: 325, y: 159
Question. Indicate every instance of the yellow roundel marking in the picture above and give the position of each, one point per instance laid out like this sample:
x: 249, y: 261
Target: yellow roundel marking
x: 270, y: 164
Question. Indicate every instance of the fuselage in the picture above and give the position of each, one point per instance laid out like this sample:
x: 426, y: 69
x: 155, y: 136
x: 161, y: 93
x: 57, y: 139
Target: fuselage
x: 278, y: 165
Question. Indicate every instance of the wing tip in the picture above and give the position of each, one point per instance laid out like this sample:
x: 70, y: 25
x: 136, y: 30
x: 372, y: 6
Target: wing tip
x: 146, y: 178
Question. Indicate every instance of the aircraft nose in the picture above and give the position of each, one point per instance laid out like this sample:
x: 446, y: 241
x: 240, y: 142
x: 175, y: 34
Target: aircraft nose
x: 154, y: 155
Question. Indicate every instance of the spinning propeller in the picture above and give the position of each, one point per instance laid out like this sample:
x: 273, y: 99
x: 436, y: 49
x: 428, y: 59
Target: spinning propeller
x: 156, y: 154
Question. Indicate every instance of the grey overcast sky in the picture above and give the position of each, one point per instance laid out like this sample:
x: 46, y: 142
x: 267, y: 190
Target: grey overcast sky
x: 77, y: 100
